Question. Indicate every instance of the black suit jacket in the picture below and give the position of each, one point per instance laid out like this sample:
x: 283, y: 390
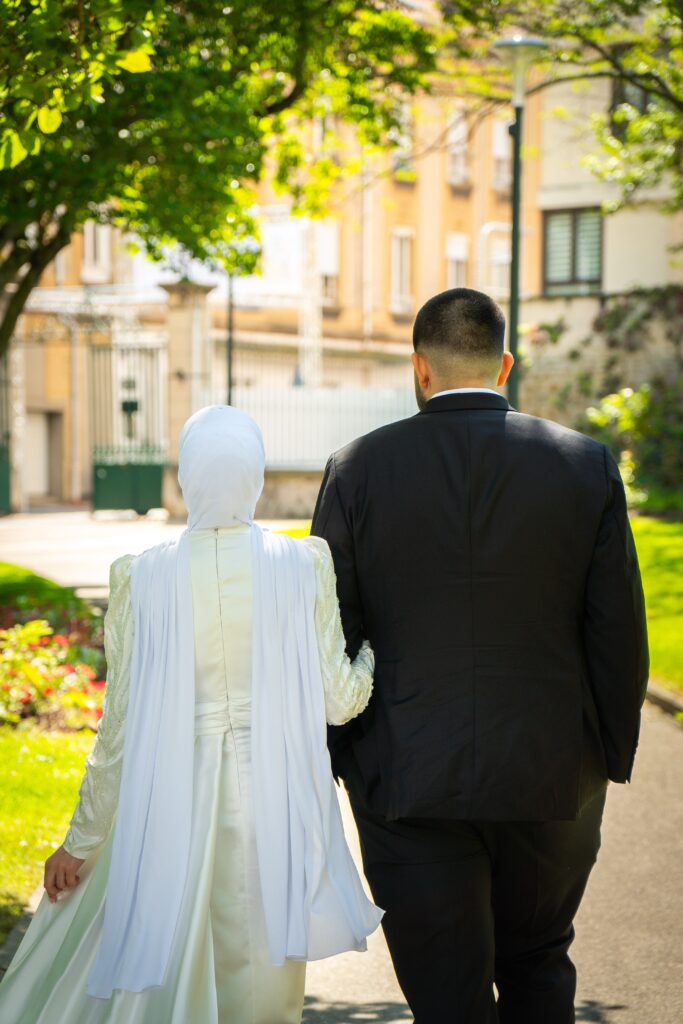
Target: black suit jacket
x: 488, y: 557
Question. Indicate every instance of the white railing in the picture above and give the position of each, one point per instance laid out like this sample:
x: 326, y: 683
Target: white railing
x: 302, y: 426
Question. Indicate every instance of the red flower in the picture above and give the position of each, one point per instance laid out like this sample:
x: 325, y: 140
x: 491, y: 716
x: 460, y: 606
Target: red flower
x: 63, y: 641
x: 48, y: 691
x: 99, y: 684
x: 98, y: 713
x: 25, y: 699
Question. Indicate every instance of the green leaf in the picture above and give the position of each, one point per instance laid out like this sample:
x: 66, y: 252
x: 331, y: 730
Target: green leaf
x: 49, y: 119
x: 135, y: 61
x: 12, y: 151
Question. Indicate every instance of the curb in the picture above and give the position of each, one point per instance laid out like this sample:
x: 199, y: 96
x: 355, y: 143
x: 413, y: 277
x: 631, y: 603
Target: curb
x: 665, y: 699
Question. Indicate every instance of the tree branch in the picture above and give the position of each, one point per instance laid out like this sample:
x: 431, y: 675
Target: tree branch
x: 662, y: 90
x: 10, y: 266
x: 572, y: 78
x: 39, y: 261
x: 299, y: 78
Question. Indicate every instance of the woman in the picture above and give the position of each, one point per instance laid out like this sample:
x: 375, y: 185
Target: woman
x: 227, y: 866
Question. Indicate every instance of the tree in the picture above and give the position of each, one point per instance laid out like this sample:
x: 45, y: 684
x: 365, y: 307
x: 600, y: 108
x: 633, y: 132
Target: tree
x: 172, y: 154
x: 57, y: 56
x: 636, y: 45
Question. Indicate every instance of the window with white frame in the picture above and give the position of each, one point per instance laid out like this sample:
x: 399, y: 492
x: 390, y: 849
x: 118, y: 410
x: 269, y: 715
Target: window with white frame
x: 61, y: 266
x: 401, y: 302
x: 327, y: 246
x: 572, y: 253
x: 500, y: 259
x: 457, y: 258
x: 502, y: 156
x: 458, y: 166
x: 403, y: 136
x: 97, y: 241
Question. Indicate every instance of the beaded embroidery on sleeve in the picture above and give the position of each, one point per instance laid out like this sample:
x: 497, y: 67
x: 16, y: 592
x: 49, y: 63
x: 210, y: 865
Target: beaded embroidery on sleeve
x: 347, y: 685
x: 98, y: 797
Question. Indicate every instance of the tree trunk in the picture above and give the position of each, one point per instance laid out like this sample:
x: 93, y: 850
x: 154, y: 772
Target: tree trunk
x: 16, y: 300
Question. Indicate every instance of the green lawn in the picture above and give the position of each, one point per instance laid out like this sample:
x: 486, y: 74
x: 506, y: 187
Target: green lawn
x: 40, y: 773
x: 660, y: 551
x: 25, y: 589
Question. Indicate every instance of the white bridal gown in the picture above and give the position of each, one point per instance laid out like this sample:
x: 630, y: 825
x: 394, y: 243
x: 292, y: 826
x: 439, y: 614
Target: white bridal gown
x: 219, y: 971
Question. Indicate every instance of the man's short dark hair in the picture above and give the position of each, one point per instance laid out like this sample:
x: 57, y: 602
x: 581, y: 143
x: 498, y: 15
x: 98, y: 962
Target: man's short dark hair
x: 461, y: 323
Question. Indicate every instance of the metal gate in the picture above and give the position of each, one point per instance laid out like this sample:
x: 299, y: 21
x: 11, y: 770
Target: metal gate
x: 128, y: 386
x: 5, y: 401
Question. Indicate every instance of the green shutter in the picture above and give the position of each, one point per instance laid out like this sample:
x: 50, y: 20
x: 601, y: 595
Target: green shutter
x: 558, y: 248
x: 588, y: 245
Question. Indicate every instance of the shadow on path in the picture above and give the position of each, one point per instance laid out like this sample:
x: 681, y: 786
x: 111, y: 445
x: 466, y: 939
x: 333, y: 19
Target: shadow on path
x: 598, y: 1013
x: 317, y: 1012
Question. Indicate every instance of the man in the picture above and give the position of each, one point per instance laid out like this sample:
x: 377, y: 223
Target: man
x: 488, y: 558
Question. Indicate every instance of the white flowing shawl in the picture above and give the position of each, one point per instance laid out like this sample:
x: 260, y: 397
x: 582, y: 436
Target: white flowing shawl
x: 313, y: 900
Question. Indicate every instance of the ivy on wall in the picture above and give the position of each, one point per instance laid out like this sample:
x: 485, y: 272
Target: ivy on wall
x: 626, y: 324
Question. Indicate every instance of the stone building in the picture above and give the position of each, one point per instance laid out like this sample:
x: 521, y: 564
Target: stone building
x: 113, y: 353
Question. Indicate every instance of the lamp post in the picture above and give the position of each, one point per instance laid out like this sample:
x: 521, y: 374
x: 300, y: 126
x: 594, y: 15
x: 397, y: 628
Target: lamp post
x: 237, y: 248
x: 518, y: 52
x: 230, y: 346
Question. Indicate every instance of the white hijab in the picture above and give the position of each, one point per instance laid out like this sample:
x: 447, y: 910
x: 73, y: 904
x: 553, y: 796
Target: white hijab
x: 313, y: 900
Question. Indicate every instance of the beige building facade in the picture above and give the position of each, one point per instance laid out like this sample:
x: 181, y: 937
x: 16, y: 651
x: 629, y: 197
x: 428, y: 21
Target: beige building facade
x: 113, y: 354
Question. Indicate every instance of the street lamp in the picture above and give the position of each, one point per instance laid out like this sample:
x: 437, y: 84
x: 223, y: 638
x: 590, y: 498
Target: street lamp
x: 238, y: 247
x: 230, y: 341
x: 518, y: 52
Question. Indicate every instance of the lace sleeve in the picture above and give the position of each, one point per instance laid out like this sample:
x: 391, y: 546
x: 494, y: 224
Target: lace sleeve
x: 99, y: 791
x: 347, y: 685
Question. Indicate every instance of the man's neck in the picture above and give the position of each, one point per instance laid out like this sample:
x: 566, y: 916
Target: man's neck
x: 447, y: 390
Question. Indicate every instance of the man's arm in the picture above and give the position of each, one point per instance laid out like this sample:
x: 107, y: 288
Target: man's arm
x: 331, y: 521
x: 615, y: 632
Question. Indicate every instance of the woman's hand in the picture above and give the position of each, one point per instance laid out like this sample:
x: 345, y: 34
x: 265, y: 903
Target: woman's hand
x: 61, y: 872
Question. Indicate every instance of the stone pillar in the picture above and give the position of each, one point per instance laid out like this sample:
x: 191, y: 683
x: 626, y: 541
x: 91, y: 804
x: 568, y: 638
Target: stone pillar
x: 190, y: 362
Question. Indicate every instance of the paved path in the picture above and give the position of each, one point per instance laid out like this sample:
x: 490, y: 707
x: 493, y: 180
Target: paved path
x: 629, y: 947
x: 77, y: 548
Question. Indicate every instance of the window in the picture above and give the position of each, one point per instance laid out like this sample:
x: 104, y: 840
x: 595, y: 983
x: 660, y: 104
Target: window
x: 502, y: 157
x: 402, y: 156
x: 457, y: 253
x: 326, y: 128
x: 96, y: 267
x: 458, y: 169
x: 61, y: 266
x: 329, y: 287
x: 401, y: 302
x: 327, y: 250
x: 501, y: 257
x: 572, y: 260
x: 625, y: 94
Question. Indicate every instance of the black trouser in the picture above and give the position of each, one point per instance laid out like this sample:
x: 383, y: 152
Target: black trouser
x: 473, y: 903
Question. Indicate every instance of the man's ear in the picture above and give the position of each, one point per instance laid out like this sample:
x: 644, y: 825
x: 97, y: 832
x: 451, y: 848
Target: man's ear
x: 423, y: 371
x: 506, y: 368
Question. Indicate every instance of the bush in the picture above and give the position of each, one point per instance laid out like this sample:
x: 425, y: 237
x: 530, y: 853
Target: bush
x: 49, y: 676
x: 644, y: 430
x: 24, y: 595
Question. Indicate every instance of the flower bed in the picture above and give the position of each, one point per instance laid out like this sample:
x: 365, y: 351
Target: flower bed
x: 52, y: 666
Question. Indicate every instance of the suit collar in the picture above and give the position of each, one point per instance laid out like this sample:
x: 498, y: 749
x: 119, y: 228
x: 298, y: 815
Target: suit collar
x: 468, y: 400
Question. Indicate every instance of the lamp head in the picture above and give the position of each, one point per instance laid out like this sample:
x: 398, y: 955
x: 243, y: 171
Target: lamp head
x: 519, y: 52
